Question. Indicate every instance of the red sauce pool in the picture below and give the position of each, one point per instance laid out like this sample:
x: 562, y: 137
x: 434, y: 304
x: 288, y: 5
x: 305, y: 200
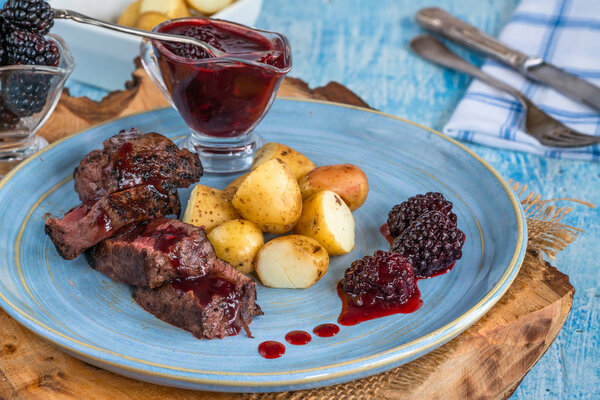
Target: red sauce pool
x: 385, y: 231
x: 223, y: 96
x: 298, y: 338
x: 271, y: 349
x: 352, y: 314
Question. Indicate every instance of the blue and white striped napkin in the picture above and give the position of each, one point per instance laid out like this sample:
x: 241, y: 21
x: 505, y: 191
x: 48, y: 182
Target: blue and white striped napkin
x: 565, y: 33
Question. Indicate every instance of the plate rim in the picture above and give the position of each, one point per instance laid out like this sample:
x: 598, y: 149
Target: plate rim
x: 445, y: 333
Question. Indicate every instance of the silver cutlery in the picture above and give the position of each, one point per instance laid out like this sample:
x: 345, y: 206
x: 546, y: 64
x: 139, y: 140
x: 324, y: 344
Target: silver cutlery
x: 84, y: 19
x: 538, y: 124
x: 440, y: 21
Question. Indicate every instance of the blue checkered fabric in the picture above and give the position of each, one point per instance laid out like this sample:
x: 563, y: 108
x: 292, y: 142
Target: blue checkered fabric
x: 565, y: 33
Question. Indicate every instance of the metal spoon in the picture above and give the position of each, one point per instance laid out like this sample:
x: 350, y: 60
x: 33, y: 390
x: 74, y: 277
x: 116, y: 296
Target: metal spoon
x: 167, y: 37
x: 547, y: 130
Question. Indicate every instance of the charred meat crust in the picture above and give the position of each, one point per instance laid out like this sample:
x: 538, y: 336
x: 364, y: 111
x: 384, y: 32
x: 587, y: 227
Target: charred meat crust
x: 132, y: 158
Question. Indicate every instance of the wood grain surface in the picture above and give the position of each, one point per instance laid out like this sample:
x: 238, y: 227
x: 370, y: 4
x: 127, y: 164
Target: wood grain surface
x: 485, y: 362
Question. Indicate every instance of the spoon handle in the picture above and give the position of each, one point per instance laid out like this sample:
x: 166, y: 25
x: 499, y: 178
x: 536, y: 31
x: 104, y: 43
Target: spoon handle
x: 433, y: 50
x: 84, y: 19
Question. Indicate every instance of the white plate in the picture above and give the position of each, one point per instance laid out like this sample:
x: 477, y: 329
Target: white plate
x: 105, y: 58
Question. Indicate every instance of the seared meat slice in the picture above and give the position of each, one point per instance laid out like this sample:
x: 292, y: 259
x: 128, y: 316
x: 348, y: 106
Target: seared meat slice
x: 200, y: 293
x: 132, y: 158
x: 153, y: 252
x: 218, y: 304
x: 95, y: 220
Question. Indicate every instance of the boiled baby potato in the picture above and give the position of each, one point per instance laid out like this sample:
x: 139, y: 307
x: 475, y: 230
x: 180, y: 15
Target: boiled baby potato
x: 130, y: 16
x: 237, y: 242
x: 298, y: 162
x: 231, y: 189
x: 209, y: 7
x: 293, y: 261
x: 347, y: 180
x: 149, y: 20
x: 170, y: 8
x: 270, y: 197
x: 328, y: 220
x: 208, y: 207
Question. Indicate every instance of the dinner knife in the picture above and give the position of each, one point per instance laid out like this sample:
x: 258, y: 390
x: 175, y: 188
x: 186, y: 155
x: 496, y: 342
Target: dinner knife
x: 535, y: 68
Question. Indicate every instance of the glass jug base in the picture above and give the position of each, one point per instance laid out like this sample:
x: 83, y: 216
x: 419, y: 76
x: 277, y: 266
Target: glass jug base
x: 225, y: 158
x: 12, y: 155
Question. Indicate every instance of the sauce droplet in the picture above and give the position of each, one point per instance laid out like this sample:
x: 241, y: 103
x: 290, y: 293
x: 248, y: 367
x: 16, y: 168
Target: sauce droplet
x: 271, y: 349
x: 326, y: 330
x: 298, y: 338
x: 352, y: 314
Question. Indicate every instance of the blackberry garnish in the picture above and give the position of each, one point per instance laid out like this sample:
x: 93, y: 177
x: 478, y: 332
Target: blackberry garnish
x: 29, y: 15
x: 28, y: 48
x: 8, y: 119
x: 385, y: 276
x: 2, y: 51
x: 432, y: 244
x: 403, y: 214
x: 25, y: 93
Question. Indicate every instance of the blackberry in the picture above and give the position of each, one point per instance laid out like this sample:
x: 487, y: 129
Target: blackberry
x: 190, y: 51
x: 384, y: 276
x: 25, y: 93
x: 28, y: 48
x: 8, y: 119
x: 2, y: 51
x: 403, y: 214
x: 29, y: 15
x: 431, y: 243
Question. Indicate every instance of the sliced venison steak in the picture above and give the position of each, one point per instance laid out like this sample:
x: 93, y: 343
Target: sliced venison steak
x: 218, y: 304
x: 153, y: 252
x: 199, y: 293
x: 133, y: 158
x: 95, y: 220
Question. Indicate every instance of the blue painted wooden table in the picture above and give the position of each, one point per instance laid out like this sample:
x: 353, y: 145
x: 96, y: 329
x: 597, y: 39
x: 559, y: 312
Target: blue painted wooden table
x: 363, y: 45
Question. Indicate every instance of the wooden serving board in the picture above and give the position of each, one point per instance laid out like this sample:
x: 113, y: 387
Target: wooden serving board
x: 488, y: 361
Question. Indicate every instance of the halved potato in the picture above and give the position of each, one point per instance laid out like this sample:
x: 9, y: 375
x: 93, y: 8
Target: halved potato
x: 347, y: 180
x: 298, y: 162
x: 233, y: 187
x: 131, y: 14
x: 149, y: 20
x: 208, y: 207
x: 209, y: 7
x: 328, y: 220
x: 237, y: 242
x: 293, y: 261
x: 170, y: 8
x: 270, y: 197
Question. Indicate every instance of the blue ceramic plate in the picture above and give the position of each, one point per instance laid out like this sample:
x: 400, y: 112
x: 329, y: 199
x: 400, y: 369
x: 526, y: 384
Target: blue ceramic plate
x: 95, y: 319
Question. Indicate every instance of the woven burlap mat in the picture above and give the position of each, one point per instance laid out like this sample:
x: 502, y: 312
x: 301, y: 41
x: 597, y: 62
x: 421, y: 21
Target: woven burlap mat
x: 547, y: 235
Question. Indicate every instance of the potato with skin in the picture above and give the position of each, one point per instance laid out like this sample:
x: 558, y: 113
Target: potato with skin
x: 328, y: 220
x: 208, y: 207
x: 170, y: 8
x: 131, y: 14
x: 293, y: 261
x: 298, y: 162
x: 270, y: 197
x: 149, y: 20
x: 237, y: 242
x: 209, y: 7
x: 231, y: 189
x: 347, y: 180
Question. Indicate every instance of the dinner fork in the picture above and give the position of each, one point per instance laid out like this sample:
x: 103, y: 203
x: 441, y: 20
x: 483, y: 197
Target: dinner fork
x: 538, y: 124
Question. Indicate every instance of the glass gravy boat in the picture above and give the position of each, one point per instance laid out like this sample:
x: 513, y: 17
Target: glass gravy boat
x: 221, y: 99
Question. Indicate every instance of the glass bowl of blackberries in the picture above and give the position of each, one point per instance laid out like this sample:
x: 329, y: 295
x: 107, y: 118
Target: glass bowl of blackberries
x: 34, y: 66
